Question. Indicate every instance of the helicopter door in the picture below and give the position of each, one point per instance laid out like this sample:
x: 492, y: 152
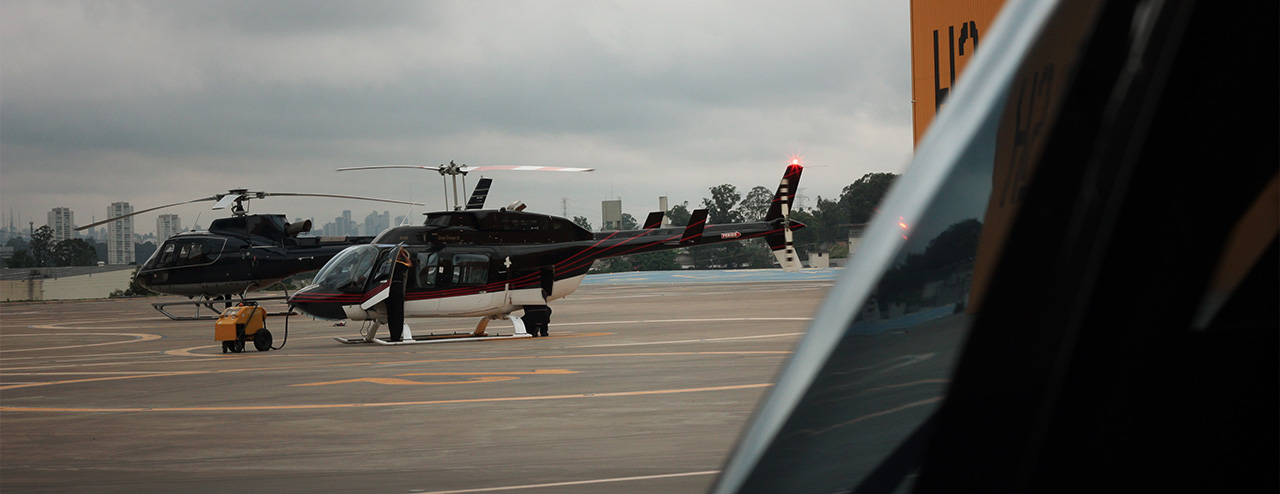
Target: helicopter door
x: 535, y: 285
x: 425, y: 280
x: 470, y: 283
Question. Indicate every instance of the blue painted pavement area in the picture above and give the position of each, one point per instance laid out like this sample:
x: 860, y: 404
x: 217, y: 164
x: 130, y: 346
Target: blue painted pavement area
x: 712, y: 276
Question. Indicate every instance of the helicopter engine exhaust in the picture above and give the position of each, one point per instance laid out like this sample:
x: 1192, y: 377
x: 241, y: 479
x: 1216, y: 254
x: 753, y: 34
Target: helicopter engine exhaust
x: 295, y: 229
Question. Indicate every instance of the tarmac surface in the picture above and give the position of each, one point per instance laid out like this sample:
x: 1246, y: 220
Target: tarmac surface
x: 641, y: 387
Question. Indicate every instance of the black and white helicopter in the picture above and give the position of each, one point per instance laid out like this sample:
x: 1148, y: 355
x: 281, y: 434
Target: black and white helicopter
x: 239, y: 254
x: 490, y: 263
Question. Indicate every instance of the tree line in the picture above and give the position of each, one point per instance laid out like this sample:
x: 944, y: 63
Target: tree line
x: 43, y: 251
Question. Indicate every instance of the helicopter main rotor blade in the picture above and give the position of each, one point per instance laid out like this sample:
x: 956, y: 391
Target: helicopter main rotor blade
x: 418, y: 167
x: 529, y: 168
x: 465, y: 169
x: 103, y: 222
x: 339, y: 196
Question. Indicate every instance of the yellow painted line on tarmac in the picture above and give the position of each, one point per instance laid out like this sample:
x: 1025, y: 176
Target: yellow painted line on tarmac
x: 395, y: 381
x: 189, y: 352
x: 392, y: 403
x: 163, y: 374
x: 421, y: 361
x: 588, y: 355
x: 137, y: 338
x: 535, y: 372
x: 114, y: 378
x: 481, y: 377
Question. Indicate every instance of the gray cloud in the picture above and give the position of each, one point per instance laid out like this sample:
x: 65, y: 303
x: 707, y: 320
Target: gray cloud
x: 156, y: 102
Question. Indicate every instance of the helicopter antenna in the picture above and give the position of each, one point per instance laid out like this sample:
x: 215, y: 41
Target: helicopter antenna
x: 408, y: 213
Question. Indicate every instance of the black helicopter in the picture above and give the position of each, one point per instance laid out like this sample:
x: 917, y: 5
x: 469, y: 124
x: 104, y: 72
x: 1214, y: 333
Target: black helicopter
x: 239, y: 254
x: 490, y: 263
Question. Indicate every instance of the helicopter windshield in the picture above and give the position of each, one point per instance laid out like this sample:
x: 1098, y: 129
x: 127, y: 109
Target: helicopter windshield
x: 349, y: 270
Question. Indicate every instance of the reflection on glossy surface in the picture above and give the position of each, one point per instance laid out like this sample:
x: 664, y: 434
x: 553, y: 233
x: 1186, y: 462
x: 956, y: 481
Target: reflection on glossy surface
x: 864, y: 383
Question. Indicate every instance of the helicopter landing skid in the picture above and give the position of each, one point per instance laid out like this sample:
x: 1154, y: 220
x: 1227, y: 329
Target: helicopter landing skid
x: 209, y: 304
x: 478, y: 335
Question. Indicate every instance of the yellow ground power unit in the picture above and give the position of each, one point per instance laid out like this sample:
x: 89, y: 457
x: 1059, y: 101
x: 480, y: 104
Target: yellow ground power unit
x: 244, y: 322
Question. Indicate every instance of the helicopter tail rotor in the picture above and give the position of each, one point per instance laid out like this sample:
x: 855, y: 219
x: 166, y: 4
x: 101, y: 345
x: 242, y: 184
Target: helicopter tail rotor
x: 783, y: 243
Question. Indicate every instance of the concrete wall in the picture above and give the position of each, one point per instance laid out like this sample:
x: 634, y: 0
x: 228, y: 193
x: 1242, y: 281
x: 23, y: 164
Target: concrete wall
x: 98, y: 285
x: 21, y: 290
x: 82, y: 286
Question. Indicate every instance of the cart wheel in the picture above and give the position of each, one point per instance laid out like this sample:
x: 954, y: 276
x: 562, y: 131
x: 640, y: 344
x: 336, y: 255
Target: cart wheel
x: 226, y: 346
x: 262, y: 340
x: 237, y: 346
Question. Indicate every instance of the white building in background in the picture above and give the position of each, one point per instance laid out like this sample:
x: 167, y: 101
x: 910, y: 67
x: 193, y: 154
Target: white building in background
x: 62, y: 222
x: 120, y: 234
x: 611, y: 213
x: 167, y: 225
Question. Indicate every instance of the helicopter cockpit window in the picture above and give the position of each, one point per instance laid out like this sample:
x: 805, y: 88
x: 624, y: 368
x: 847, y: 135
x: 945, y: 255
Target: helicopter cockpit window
x: 428, y: 264
x: 349, y: 270
x: 168, y: 254
x: 186, y: 252
x: 383, y: 273
x: 470, y: 269
x: 192, y: 254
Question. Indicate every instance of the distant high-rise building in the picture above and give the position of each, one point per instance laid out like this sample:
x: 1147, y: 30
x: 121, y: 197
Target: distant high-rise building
x: 62, y: 222
x: 167, y: 225
x: 347, y: 226
x: 120, y: 234
x: 376, y: 222
x: 612, y: 214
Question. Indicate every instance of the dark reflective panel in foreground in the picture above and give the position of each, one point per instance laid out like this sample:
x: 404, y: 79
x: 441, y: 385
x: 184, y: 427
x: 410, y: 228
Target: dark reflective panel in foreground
x: 1056, y: 296
x: 855, y: 403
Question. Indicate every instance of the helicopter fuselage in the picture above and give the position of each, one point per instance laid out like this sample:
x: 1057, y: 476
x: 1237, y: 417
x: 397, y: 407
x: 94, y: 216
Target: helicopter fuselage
x: 236, y: 255
x: 487, y: 263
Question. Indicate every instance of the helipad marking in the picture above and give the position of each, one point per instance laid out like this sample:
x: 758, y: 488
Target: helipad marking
x: 137, y: 338
x: 668, y: 342
x: 392, y: 404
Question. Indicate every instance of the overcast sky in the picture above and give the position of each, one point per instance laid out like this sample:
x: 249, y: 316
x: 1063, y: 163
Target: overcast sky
x: 160, y: 102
